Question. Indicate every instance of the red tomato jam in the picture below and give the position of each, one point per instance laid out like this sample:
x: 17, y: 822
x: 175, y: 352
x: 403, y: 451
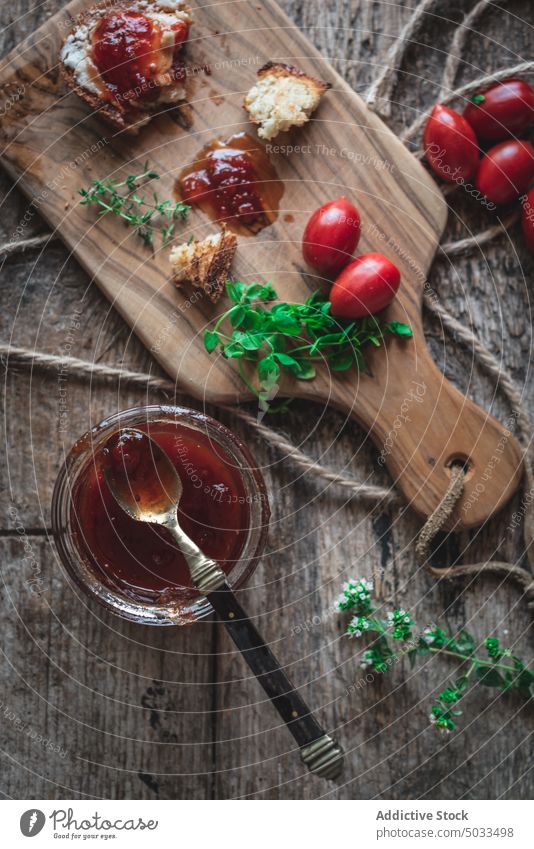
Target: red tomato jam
x: 128, y: 55
x: 139, y: 560
x: 233, y: 180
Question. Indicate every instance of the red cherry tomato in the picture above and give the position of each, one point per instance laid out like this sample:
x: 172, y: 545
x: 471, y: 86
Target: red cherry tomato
x: 364, y: 287
x: 331, y: 236
x: 451, y: 146
x: 527, y: 220
x: 506, y: 171
x: 502, y: 110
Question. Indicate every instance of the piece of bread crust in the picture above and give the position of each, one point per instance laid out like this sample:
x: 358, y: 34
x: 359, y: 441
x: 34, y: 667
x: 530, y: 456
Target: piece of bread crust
x: 283, y: 97
x: 129, y: 119
x: 281, y: 69
x: 205, y: 263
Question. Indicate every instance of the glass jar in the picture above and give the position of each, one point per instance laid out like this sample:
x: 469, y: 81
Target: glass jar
x: 81, y: 462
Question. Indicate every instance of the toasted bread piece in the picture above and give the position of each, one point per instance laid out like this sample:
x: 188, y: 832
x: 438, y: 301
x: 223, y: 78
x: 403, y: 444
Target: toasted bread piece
x: 81, y: 75
x: 131, y: 120
x: 205, y: 264
x: 283, y: 97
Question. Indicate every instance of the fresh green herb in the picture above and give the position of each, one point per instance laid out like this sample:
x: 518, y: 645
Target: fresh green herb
x: 478, y: 98
x: 147, y: 216
x: 290, y: 337
x: 396, y: 636
x: 398, y: 328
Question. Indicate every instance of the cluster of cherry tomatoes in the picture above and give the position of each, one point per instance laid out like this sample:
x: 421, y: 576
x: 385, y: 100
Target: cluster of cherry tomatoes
x: 460, y: 148
x: 362, y: 286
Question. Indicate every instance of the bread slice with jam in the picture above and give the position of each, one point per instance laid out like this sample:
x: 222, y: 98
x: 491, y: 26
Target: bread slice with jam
x: 125, y: 59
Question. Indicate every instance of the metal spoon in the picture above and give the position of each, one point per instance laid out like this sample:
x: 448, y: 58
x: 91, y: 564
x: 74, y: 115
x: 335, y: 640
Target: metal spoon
x: 155, y: 498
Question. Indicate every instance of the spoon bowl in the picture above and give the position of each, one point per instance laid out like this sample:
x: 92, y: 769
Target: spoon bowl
x: 142, y: 478
x: 144, y: 482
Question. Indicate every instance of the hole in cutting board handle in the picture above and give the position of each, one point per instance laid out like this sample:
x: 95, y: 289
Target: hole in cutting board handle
x: 461, y: 460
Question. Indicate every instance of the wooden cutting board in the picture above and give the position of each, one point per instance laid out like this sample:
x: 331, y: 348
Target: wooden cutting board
x: 52, y: 146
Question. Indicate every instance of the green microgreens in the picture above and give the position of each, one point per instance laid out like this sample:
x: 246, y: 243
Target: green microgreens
x: 290, y: 337
x: 395, y: 637
x: 147, y: 216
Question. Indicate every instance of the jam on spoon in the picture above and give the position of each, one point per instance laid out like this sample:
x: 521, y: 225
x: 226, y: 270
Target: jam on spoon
x: 152, y: 493
x: 233, y: 181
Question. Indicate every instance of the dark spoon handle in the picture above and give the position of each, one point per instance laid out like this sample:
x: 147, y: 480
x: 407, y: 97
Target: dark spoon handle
x: 320, y: 753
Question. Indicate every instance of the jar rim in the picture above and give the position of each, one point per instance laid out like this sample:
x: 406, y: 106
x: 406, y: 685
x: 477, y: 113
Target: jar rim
x: 78, y: 568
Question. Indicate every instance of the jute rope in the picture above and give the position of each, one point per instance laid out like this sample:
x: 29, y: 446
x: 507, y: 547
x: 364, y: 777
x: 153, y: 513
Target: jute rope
x: 366, y: 492
x: 482, y: 238
x: 454, y: 54
x: 445, y: 509
x: 443, y: 512
x: 439, y: 519
x: 378, y: 98
x: 85, y: 369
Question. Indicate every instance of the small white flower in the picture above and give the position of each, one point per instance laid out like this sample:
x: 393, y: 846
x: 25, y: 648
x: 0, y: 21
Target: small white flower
x: 406, y: 619
x: 432, y: 718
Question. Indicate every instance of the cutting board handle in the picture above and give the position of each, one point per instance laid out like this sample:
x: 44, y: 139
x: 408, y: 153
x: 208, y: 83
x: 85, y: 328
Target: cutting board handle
x: 422, y: 424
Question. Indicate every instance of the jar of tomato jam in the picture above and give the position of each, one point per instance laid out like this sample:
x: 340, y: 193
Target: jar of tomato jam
x: 134, y: 568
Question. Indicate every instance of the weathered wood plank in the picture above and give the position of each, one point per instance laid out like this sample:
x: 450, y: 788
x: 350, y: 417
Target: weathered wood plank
x: 394, y: 752
x: 123, y: 711
x: 346, y: 147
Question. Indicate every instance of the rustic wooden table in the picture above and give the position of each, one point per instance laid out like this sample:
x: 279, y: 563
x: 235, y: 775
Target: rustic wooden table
x: 95, y: 707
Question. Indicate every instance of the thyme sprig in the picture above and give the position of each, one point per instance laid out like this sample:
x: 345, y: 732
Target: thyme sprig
x: 396, y: 636
x: 290, y: 337
x: 148, y: 216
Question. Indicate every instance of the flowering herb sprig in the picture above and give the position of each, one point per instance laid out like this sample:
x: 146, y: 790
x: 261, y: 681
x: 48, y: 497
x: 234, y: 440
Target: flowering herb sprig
x: 146, y: 216
x: 290, y: 337
x: 396, y: 636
